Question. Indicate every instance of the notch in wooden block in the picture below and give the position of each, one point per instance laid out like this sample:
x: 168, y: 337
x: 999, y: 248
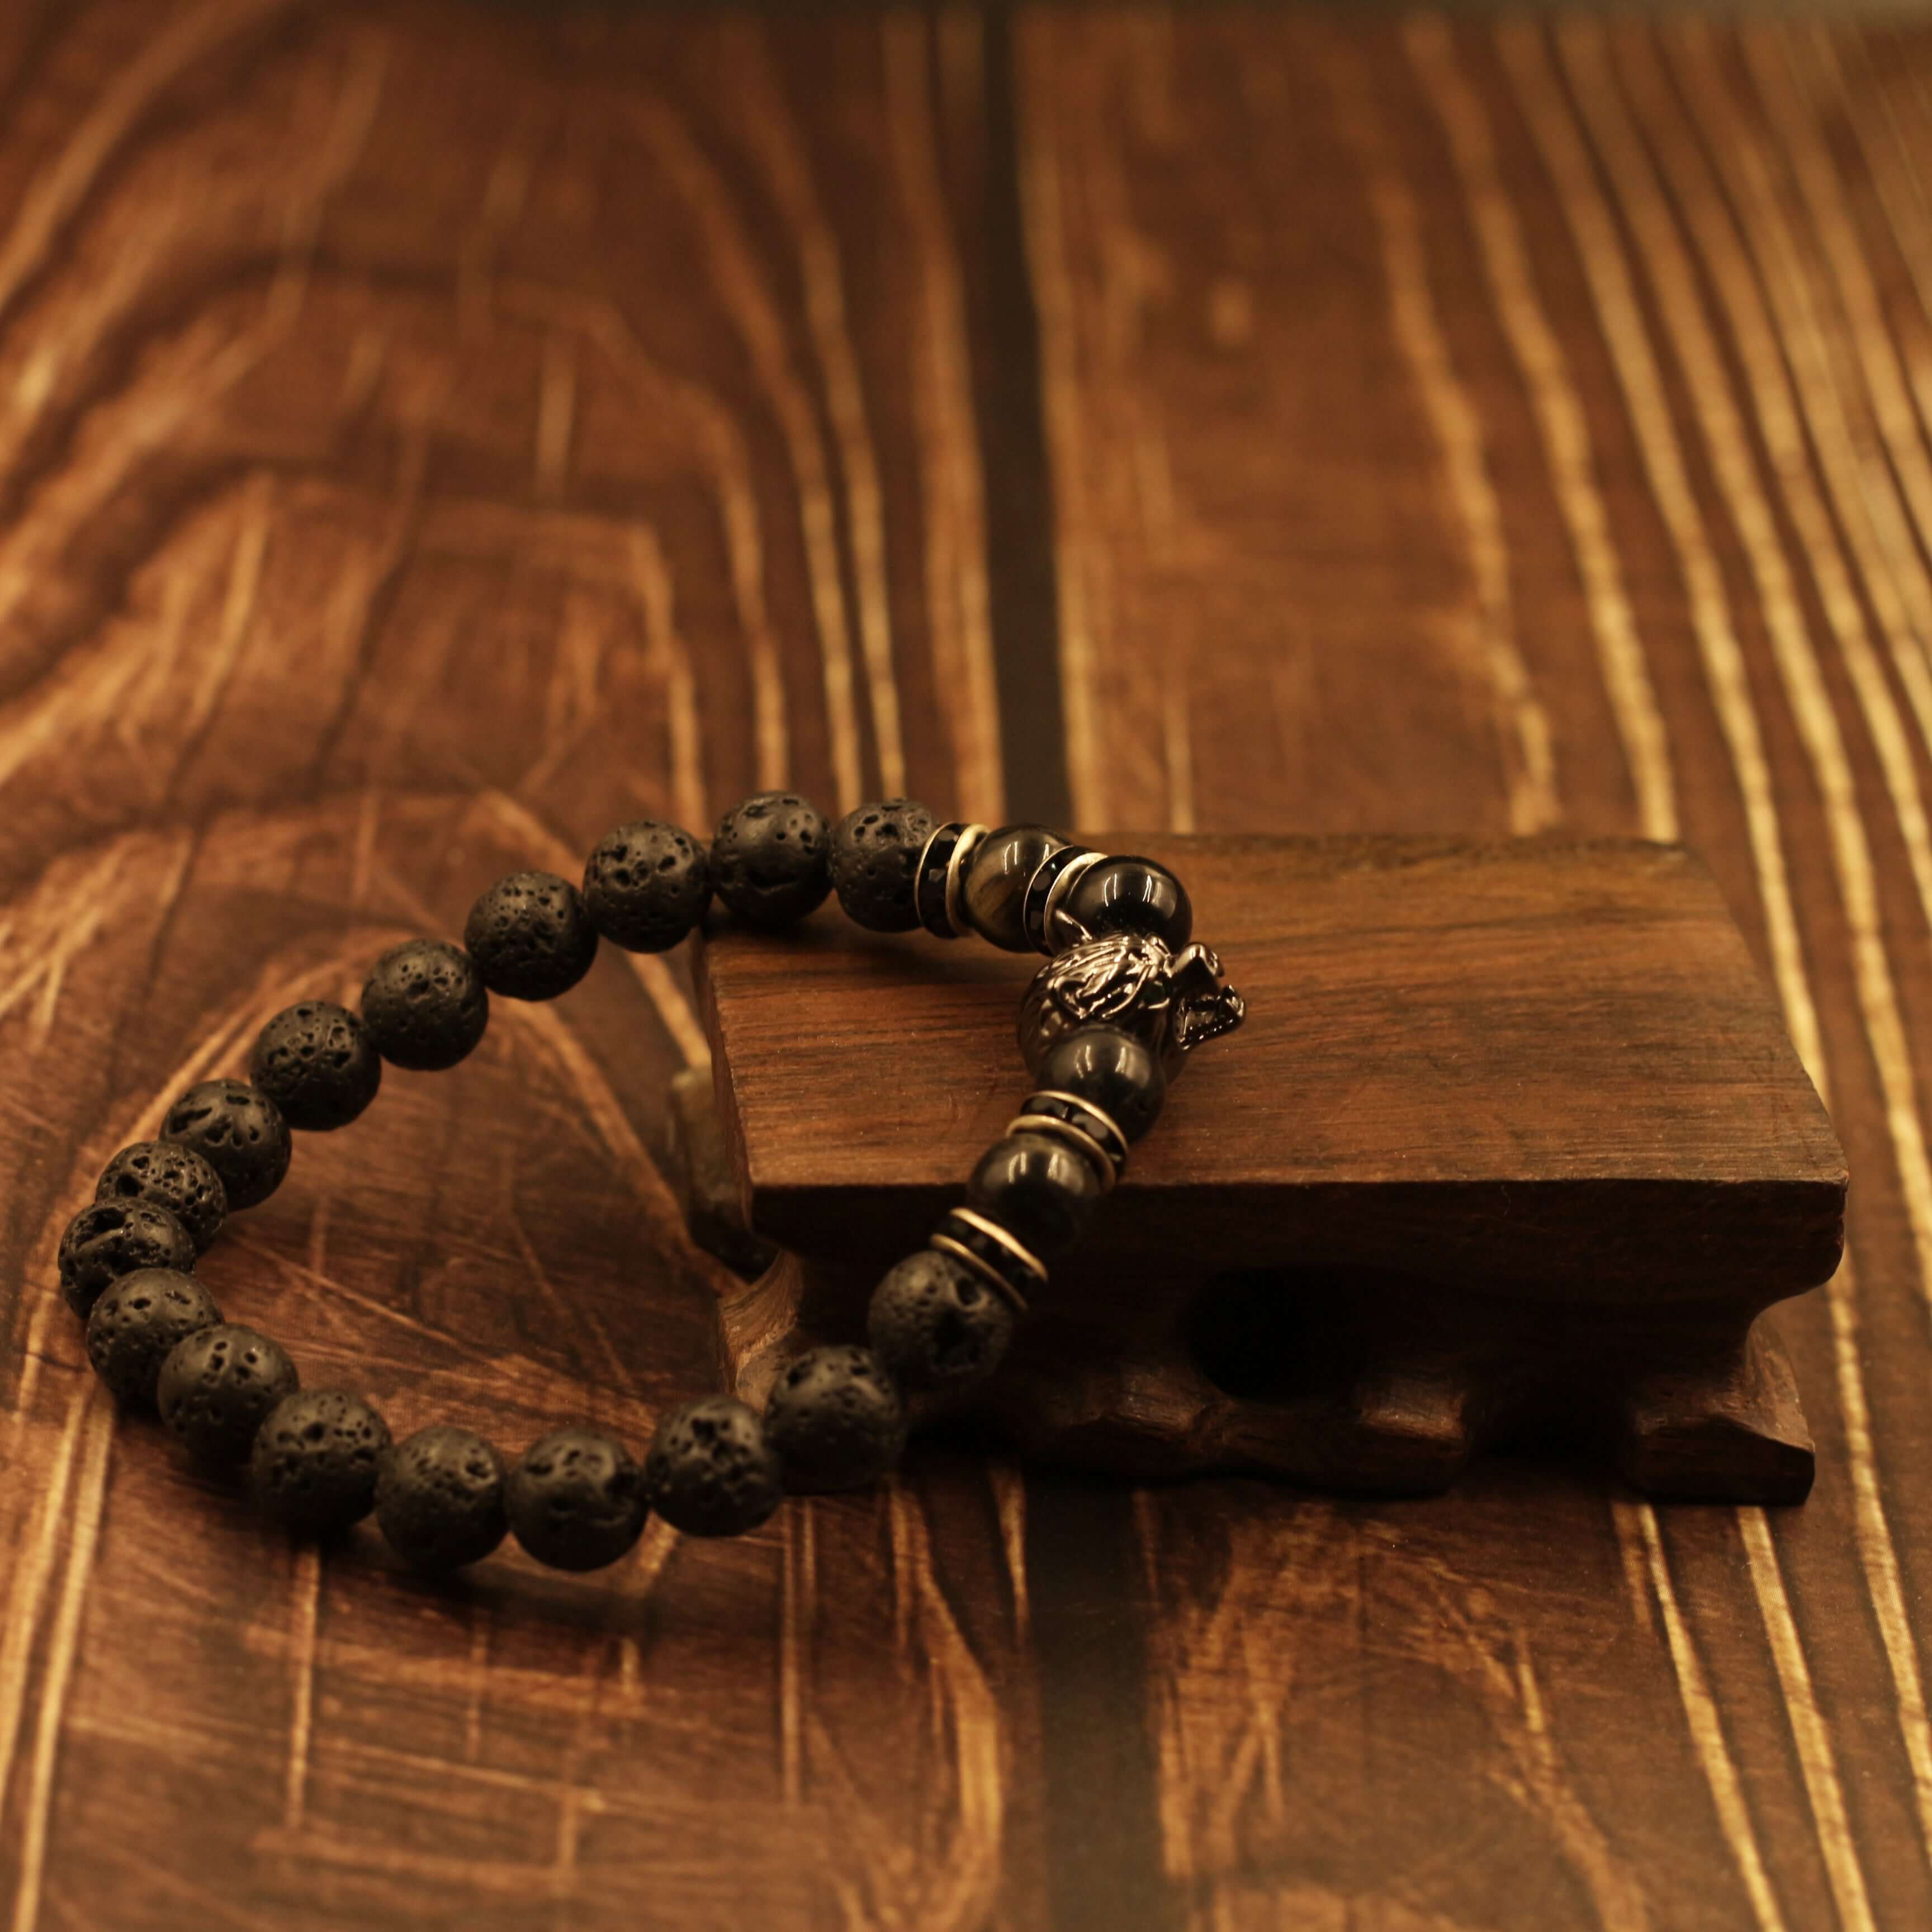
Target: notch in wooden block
x: 1513, y: 1137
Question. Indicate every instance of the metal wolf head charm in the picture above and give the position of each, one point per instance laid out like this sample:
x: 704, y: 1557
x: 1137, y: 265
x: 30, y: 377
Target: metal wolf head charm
x: 1171, y: 1001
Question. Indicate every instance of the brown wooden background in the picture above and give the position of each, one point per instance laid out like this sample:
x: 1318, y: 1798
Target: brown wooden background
x: 429, y: 433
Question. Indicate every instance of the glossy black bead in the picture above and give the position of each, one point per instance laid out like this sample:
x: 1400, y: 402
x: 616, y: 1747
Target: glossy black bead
x: 530, y: 936
x: 1130, y: 894
x: 314, y: 1463
x: 711, y: 1471
x: 836, y: 1420
x: 238, y: 1132
x: 646, y: 885
x: 216, y: 1387
x: 1111, y: 1069
x: 576, y: 1500
x: 770, y: 858
x: 875, y: 863
x: 165, y: 1174
x: 137, y: 1322
x: 936, y: 1327
x: 992, y: 895
x: 1037, y: 1188
x: 317, y: 1063
x: 424, y: 1006
x: 111, y: 1238
x: 439, y: 1497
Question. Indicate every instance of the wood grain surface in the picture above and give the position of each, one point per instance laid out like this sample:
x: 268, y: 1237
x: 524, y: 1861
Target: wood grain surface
x: 430, y: 433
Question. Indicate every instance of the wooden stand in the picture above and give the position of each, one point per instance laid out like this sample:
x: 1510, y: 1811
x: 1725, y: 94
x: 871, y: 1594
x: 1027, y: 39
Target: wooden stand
x: 1513, y: 1143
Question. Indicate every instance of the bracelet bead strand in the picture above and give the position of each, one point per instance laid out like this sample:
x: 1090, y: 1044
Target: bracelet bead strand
x: 1103, y: 1028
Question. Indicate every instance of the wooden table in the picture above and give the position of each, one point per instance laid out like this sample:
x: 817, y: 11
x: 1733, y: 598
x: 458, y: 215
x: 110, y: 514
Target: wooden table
x: 429, y: 434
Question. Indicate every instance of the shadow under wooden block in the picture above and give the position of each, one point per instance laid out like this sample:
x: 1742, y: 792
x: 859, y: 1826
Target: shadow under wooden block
x: 1512, y: 1144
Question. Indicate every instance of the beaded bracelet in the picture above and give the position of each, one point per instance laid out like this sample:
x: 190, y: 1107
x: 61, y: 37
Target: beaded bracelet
x: 1104, y: 1025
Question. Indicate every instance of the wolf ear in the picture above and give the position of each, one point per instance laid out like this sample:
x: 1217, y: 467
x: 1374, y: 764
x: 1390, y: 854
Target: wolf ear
x: 1204, y: 1004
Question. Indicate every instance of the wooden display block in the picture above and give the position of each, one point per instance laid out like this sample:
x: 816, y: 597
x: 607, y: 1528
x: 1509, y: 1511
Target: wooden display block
x: 1513, y: 1143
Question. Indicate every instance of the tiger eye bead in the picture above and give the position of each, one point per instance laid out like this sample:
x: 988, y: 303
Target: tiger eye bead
x: 992, y: 895
x: 425, y: 1006
x: 1111, y: 1070
x: 1037, y: 1188
x: 317, y: 1063
x: 113, y: 1238
x: 1130, y: 894
x: 165, y: 1174
x: 530, y: 936
x: 238, y: 1132
x: 136, y: 1325
x: 646, y: 885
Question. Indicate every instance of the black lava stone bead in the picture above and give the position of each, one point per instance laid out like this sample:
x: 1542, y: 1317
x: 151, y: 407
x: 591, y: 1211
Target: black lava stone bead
x: 165, y: 1174
x: 239, y: 1133
x: 1114, y: 1071
x: 1037, y: 1188
x: 875, y: 862
x: 424, y: 1006
x: 768, y: 860
x: 576, y: 1500
x: 137, y: 1322
x: 836, y: 1420
x: 439, y: 1497
x: 938, y: 1328
x: 315, y: 1460
x: 710, y: 1472
x: 317, y: 1063
x: 112, y: 1238
x: 646, y: 885
x: 530, y: 936
x: 218, y: 1385
x: 1130, y: 895
x: 992, y: 895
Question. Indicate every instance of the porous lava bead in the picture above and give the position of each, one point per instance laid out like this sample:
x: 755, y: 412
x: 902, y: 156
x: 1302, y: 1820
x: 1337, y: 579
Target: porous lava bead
x: 1130, y: 895
x: 1038, y: 1189
x: 768, y: 860
x: 314, y: 1463
x: 875, y: 862
x: 239, y: 1133
x: 530, y: 936
x: 710, y: 1471
x: 317, y: 1063
x: 1113, y: 1070
x: 577, y: 1500
x: 439, y: 1497
x: 992, y: 895
x: 165, y: 1174
x: 937, y: 1327
x: 646, y: 885
x: 836, y: 1420
x: 137, y: 1322
x: 112, y: 1238
x: 218, y: 1385
x: 425, y: 1006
